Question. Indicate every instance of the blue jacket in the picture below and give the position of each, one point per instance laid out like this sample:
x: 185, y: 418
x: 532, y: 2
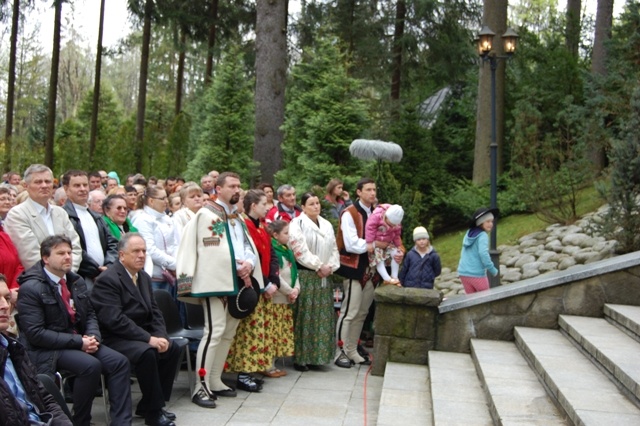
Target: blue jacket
x: 474, y: 258
x: 418, y: 271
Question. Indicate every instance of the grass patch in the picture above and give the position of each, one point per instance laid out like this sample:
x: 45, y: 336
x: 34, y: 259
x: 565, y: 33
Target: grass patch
x: 510, y: 229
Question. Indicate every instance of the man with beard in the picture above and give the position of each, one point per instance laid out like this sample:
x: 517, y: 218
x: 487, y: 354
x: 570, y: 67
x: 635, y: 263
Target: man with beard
x: 217, y: 257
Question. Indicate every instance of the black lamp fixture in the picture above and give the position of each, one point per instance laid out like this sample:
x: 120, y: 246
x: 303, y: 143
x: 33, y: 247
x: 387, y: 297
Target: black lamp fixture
x: 486, y: 52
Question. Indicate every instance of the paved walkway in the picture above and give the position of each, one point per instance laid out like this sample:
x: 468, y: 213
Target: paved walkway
x: 332, y: 396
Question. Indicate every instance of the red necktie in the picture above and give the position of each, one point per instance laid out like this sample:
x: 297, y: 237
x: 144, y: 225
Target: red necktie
x: 66, y: 298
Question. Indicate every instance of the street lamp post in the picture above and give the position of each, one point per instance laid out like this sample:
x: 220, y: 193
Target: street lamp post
x: 486, y: 52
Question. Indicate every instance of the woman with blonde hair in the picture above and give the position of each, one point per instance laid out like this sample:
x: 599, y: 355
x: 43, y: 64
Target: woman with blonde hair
x: 192, y: 199
x: 158, y: 232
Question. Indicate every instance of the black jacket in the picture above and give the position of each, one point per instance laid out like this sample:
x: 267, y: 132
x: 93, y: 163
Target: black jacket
x: 88, y: 266
x: 11, y: 412
x: 44, y: 320
x: 127, y: 313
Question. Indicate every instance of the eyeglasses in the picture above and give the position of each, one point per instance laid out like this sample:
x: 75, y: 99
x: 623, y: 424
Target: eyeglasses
x: 158, y: 198
x: 5, y: 199
x: 120, y: 208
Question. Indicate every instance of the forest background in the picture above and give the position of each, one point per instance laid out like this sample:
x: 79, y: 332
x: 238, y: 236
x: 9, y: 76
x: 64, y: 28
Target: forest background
x: 277, y: 96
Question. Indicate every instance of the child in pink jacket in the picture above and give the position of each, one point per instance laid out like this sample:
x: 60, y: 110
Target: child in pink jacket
x: 384, y: 225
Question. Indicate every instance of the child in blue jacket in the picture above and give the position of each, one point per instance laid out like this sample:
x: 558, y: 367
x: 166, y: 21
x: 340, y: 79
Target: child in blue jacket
x: 421, y: 264
x: 475, y: 260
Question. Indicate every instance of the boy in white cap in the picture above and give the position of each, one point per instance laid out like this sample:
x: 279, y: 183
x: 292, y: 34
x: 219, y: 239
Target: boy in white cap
x: 422, y: 264
x: 384, y: 229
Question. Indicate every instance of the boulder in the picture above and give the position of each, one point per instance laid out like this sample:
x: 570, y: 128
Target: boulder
x: 512, y: 276
x: 548, y: 266
x: 565, y: 263
x: 583, y: 256
x: 578, y: 239
x: 571, y: 250
x: 531, y: 266
x: 554, y: 245
x: 527, y: 258
x: 530, y: 273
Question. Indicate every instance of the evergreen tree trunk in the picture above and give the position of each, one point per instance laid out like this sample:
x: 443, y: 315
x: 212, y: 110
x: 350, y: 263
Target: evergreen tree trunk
x: 604, y: 21
x: 572, y: 30
x: 495, y: 16
x: 271, y: 67
x: 53, y: 87
x: 180, y: 76
x: 401, y: 12
x: 212, y: 40
x: 96, y: 89
x: 142, y: 86
x: 11, y: 89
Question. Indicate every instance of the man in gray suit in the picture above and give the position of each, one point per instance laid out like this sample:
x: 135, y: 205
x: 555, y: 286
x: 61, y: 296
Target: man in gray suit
x: 30, y: 222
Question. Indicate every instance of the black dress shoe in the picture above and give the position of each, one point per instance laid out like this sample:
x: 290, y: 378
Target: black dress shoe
x: 169, y: 414
x: 366, y: 361
x: 158, y: 419
x: 300, y: 367
x: 227, y: 393
x: 246, y: 384
x: 202, y: 399
x: 257, y: 380
x: 343, y: 361
x: 362, y: 352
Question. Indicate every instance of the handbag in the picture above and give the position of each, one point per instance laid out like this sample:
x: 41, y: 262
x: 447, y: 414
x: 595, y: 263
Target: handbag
x: 168, y: 277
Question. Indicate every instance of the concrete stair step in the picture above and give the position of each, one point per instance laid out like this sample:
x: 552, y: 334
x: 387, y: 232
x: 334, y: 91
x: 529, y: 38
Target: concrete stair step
x: 515, y: 394
x: 611, y: 347
x: 405, y: 398
x: 582, y: 390
x: 626, y: 317
x: 456, y: 392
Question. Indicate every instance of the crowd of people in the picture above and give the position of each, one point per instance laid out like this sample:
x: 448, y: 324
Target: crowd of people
x: 80, y: 265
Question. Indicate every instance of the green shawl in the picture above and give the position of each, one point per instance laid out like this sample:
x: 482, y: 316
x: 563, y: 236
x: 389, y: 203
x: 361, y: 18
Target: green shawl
x: 115, y: 229
x: 283, y: 251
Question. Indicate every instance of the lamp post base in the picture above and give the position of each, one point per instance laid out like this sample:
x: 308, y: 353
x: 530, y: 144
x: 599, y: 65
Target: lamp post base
x: 495, y: 258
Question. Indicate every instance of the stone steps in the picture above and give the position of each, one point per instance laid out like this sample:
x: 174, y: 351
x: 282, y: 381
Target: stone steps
x: 587, y: 395
x: 586, y: 373
x: 513, y: 390
x: 625, y: 317
x: 609, y: 346
x: 456, y: 390
x: 405, y: 398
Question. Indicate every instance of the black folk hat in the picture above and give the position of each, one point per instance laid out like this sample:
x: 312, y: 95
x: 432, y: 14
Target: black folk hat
x: 242, y: 304
x: 482, y: 211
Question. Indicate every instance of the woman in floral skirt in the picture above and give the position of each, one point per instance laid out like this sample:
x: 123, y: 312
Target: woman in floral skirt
x: 250, y: 351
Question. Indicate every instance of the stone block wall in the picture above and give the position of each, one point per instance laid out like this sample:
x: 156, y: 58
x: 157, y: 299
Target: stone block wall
x: 405, y: 325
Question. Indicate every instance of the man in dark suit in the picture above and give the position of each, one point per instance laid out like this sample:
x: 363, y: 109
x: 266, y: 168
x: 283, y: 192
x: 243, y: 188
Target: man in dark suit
x: 132, y: 324
x: 62, y: 332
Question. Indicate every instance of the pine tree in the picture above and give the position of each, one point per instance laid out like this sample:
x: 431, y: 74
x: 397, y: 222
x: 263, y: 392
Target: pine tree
x: 324, y: 114
x: 222, y: 130
x: 622, y: 220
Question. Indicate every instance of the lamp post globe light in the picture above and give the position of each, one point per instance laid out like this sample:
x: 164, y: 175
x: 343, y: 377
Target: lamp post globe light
x: 486, y: 52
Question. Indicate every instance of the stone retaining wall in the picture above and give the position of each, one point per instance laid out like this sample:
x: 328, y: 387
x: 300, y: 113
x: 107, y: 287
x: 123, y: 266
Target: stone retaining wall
x: 410, y: 322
